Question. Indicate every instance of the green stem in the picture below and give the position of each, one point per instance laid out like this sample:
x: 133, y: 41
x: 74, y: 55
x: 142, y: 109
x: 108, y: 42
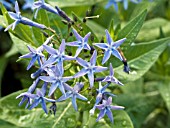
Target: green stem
x: 62, y: 114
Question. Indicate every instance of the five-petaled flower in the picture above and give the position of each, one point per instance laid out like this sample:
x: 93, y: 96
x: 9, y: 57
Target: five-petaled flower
x: 73, y: 93
x: 89, y: 68
x: 57, y: 81
x: 101, y: 94
x: 39, y: 97
x: 57, y: 56
x: 36, y: 54
x: 28, y: 96
x: 110, y: 47
x: 106, y: 107
x: 81, y: 43
x: 19, y: 19
x: 111, y: 77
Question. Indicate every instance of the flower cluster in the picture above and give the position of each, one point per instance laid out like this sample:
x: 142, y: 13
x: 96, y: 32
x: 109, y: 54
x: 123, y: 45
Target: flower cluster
x: 51, y: 70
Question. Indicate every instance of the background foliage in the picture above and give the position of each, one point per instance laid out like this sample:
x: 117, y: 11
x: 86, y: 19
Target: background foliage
x: 146, y: 94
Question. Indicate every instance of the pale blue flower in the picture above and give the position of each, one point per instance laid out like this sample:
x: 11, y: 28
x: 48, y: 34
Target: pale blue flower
x: 101, y: 94
x: 28, y: 96
x: 106, y: 107
x: 57, y: 56
x: 73, y: 93
x: 89, y: 68
x: 7, y: 5
x: 81, y: 43
x: 40, y: 98
x: 110, y: 47
x: 41, y: 4
x: 19, y: 19
x: 56, y: 81
x: 36, y: 54
x: 111, y: 77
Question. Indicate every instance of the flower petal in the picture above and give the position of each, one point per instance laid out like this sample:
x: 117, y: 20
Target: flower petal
x: 50, y: 50
x: 93, y: 58
x: 17, y: 7
x: 87, y: 37
x: 101, y: 45
x: 48, y: 78
x: 117, y: 107
x: 117, y: 54
x: 108, y: 37
x: 34, y: 104
x: 101, y: 115
x: 79, y: 96
x: 78, y: 86
x: 109, y: 114
x: 91, y: 79
x: 119, y: 42
x: 28, y: 55
x: 78, y: 37
x: 64, y: 97
x: 100, y: 69
x: 13, y: 16
x: 109, y: 101
x: 82, y: 62
x: 62, y: 46
x: 34, y: 58
x: 111, y: 70
x: 106, y: 56
x: 53, y: 87
x: 75, y: 43
x: 43, y: 105
x: 74, y: 102
x: 78, y: 51
x: 61, y: 87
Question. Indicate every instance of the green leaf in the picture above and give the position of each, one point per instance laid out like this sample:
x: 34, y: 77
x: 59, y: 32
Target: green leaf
x: 130, y: 31
x: 68, y: 3
x: 164, y: 89
x: 2, y: 20
x: 141, y: 57
x: 151, y: 29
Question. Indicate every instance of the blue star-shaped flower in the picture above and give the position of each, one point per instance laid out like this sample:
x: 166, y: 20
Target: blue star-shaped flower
x: 19, y: 19
x: 101, y: 95
x: 106, y: 107
x: 89, y: 68
x: 28, y: 4
x: 40, y: 98
x: 28, y: 96
x: 81, y: 43
x: 57, y: 56
x: 41, y: 4
x: 110, y: 47
x: 56, y: 81
x: 111, y: 77
x: 73, y: 93
x: 35, y: 54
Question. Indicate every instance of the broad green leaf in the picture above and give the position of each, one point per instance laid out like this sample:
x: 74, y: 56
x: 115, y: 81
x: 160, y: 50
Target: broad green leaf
x: 151, y: 29
x: 5, y: 124
x: 141, y: 57
x: 164, y: 89
x: 19, y: 44
x: 138, y: 106
x: 130, y: 31
x: 68, y: 3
